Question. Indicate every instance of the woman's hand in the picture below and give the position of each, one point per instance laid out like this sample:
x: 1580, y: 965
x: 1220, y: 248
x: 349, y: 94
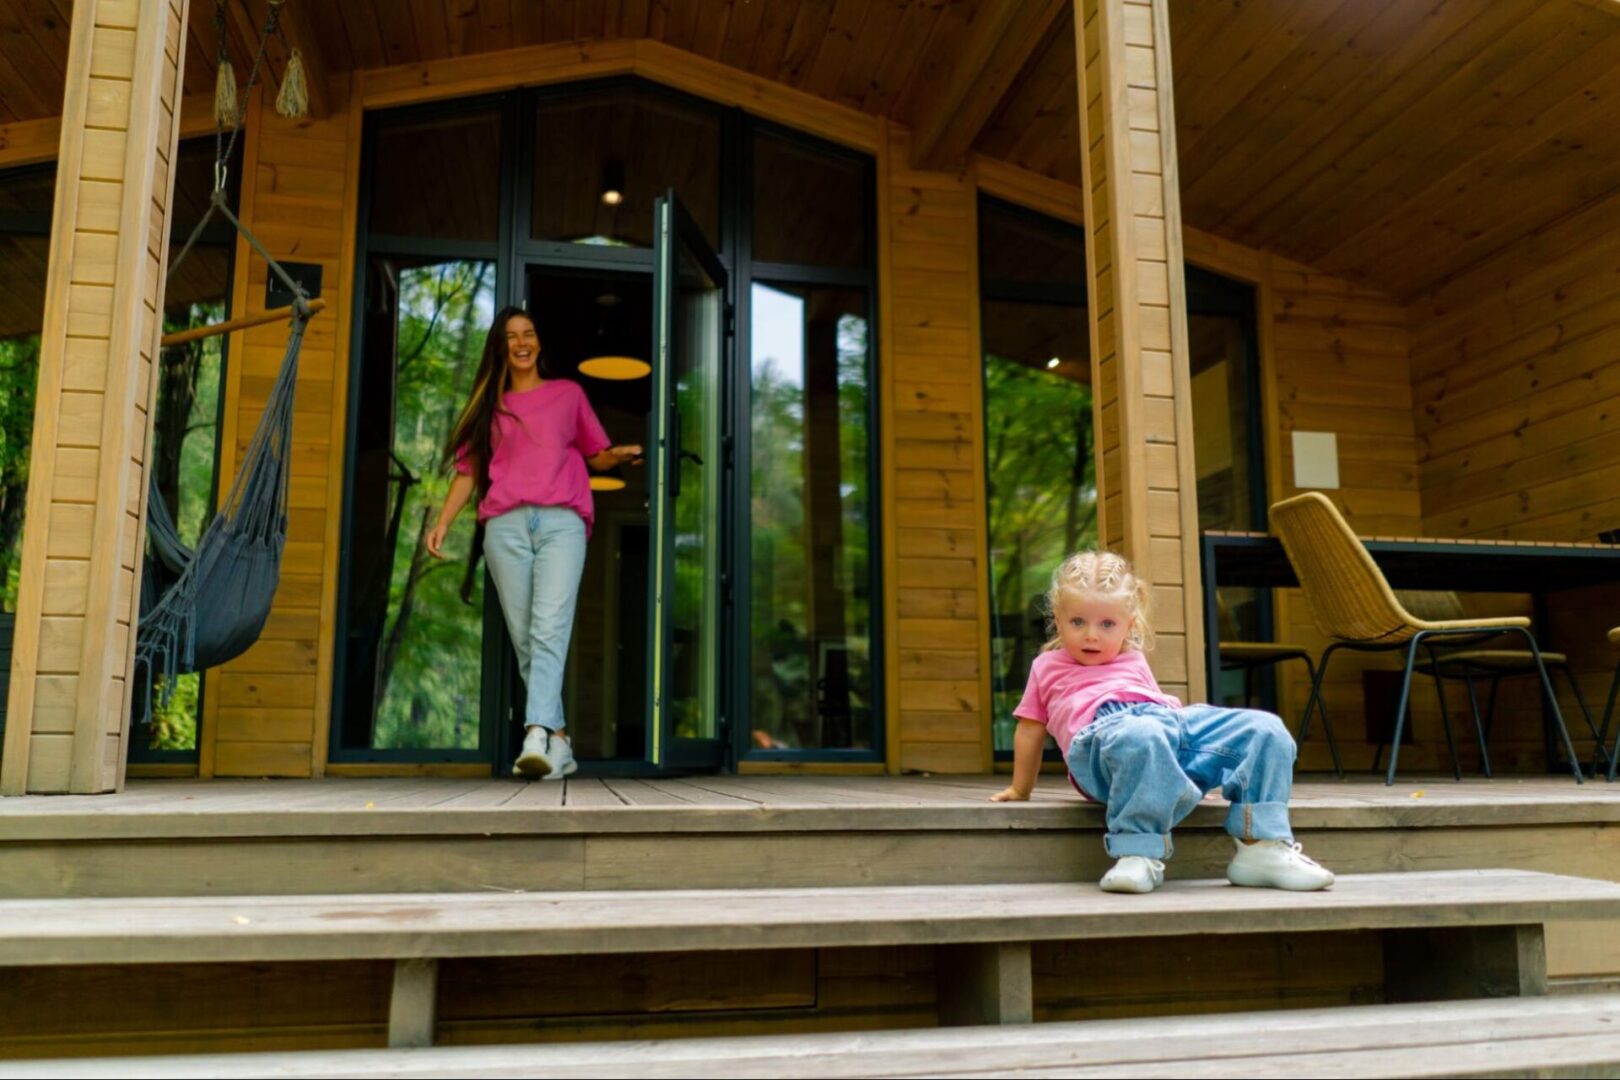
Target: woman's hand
x: 625, y: 455
x: 1010, y: 794
x: 435, y: 540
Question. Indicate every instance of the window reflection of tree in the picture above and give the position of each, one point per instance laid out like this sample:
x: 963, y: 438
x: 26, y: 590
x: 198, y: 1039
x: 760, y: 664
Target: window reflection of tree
x: 427, y: 674
x: 812, y: 678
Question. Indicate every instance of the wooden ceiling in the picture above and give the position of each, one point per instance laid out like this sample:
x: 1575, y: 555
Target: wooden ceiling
x: 1392, y: 141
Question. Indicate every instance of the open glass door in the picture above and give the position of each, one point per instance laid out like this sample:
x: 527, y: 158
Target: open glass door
x: 689, y: 339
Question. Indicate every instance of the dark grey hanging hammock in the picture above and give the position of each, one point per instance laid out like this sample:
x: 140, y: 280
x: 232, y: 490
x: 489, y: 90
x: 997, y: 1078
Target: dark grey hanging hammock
x: 200, y: 608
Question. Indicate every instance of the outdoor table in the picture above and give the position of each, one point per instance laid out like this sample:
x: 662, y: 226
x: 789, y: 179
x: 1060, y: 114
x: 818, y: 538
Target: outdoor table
x: 1537, y: 568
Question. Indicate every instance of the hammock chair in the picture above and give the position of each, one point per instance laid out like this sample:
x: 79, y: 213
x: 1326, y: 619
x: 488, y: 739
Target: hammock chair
x: 201, y: 607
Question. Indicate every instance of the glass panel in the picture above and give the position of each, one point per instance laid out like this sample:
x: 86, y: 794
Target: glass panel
x: 581, y: 315
x: 1221, y: 419
x: 413, y: 649
x: 632, y: 142
x: 811, y: 608
x: 185, y: 438
x: 694, y: 353
x: 437, y: 176
x: 25, y: 232
x: 1042, y: 498
x: 809, y: 205
x: 1017, y: 246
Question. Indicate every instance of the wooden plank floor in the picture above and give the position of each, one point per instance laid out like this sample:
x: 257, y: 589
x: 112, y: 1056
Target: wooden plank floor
x: 741, y: 804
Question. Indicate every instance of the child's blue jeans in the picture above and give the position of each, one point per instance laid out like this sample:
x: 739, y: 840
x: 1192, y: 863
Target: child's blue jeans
x: 1152, y: 764
x: 536, y: 555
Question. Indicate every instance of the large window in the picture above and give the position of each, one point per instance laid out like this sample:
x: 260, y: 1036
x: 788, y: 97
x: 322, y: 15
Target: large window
x: 811, y: 651
x: 411, y: 656
x: 1042, y: 497
x: 545, y: 198
x: 1228, y: 451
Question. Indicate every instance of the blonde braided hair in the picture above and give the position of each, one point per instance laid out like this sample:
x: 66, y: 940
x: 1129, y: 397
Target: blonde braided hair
x: 1101, y: 573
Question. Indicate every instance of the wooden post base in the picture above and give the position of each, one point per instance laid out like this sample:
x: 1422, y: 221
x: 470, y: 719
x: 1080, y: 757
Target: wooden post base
x: 984, y: 984
x: 1456, y: 963
x: 413, y: 1007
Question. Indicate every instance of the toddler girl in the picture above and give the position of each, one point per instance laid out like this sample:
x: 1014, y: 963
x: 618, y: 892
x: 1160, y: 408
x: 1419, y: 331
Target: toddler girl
x: 1149, y: 758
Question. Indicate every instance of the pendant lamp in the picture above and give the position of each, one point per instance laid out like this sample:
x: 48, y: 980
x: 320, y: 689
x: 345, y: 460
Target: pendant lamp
x: 611, y: 357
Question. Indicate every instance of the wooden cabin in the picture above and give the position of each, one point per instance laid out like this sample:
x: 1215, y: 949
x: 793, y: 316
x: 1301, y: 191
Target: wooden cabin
x: 930, y: 294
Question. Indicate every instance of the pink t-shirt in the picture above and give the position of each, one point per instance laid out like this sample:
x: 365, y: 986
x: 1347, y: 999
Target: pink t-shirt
x: 1064, y: 694
x: 540, y: 441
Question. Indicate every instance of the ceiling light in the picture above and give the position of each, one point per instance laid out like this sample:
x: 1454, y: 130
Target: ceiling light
x: 606, y: 483
x: 619, y: 368
x: 1052, y: 363
x: 612, y: 183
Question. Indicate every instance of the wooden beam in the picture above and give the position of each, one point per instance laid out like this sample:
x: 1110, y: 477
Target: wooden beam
x: 413, y: 1007
x: 1137, y: 313
x: 73, y: 650
x: 1004, y: 35
x: 989, y: 983
x: 248, y: 17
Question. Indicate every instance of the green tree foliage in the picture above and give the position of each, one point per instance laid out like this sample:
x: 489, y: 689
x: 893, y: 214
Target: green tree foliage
x: 1042, y: 506
x: 429, y: 666
x: 19, y: 372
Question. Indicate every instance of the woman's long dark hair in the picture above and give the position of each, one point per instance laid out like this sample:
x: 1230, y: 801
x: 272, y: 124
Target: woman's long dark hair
x: 475, y: 427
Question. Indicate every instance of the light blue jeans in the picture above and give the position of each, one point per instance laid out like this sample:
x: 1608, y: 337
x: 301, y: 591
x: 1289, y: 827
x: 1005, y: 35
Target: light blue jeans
x: 536, y: 555
x: 1151, y: 765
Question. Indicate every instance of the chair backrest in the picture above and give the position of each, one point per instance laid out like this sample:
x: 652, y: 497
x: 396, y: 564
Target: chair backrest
x: 1349, y: 598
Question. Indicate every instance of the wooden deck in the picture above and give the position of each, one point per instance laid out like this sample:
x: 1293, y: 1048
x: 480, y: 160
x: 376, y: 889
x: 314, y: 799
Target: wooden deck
x: 267, y: 808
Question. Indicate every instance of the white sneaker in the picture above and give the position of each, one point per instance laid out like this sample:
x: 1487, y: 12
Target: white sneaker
x: 1276, y: 864
x: 1134, y: 874
x: 561, y: 753
x: 534, y: 760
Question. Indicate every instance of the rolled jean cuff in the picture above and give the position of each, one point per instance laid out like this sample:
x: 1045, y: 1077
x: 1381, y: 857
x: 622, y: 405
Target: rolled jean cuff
x: 1148, y: 845
x: 1259, y: 821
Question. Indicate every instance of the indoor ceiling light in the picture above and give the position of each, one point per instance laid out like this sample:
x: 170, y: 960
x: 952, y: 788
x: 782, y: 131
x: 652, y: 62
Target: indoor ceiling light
x: 1052, y: 363
x: 606, y: 483
x: 619, y: 368
x: 612, y: 183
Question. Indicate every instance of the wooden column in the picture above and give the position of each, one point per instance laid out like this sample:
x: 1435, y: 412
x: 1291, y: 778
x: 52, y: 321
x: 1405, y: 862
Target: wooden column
x: 1138, y: 315
x: 80, y: 574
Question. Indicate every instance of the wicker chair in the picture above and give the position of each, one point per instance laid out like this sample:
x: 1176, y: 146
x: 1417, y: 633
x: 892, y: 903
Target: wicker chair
x: 1355, y: 608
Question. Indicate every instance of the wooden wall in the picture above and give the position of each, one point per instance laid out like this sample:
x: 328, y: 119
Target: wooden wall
x: 266, y: 713
x: 934, y: 493
x: 1516, y: 379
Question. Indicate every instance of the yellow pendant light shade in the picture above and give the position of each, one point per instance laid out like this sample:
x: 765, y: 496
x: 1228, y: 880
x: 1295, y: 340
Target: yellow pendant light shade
x: 620, y: 368
x: 606, y: 483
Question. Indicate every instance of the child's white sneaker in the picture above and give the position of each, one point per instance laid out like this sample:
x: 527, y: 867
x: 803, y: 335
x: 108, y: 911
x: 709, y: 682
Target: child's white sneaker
x: 1134, y: 874
x: 561, y: 753
x: 1276, y: 864
x: 534, y: 761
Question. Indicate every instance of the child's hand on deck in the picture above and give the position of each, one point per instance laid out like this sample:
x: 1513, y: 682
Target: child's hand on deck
x: 1010, y: 794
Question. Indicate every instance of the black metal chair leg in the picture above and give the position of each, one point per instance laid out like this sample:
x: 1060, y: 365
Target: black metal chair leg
x: 1490, y: 706
x: 1601, y: 751
x: 1315, y: 701
x: 1479, y: 725
x: 1400, y: 710
x: 1552, y: 705
x: 1445, y: 714
x: 1608, y: 715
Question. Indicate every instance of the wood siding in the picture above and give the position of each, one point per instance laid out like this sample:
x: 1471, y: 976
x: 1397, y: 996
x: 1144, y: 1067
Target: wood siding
x: 933, y: 490
x: 1516, y: 379
x: 74, y: 646
x: 266, y: 713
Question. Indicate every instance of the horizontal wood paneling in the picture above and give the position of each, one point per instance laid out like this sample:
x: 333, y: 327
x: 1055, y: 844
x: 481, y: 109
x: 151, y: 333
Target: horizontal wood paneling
x: 934, y: 471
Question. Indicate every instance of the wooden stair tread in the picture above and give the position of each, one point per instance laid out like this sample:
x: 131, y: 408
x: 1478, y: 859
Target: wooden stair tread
x: 1492, y: 1037
x: 395, y: 926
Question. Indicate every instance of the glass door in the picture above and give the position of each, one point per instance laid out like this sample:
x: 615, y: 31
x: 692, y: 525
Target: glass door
x: 686, y: 729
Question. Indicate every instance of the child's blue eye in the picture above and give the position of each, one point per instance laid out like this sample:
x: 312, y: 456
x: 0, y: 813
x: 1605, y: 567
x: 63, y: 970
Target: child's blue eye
x: 1108, y: 624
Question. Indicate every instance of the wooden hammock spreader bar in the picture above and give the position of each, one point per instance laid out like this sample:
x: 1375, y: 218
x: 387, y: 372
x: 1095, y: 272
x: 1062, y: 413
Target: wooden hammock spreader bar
x: 230, y: 326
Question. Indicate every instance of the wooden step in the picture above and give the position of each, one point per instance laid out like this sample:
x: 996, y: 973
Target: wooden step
x: 1445, y: 935
x: 1544, y: 1037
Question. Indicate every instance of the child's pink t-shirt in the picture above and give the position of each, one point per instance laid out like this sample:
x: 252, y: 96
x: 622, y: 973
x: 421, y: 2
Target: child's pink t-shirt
x: 540, y: 441
x: 1064, y: 694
